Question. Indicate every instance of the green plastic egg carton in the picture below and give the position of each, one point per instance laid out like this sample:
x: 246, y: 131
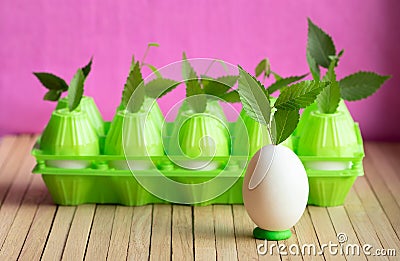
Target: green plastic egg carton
x: 101, y: 184
x: 330, y: 187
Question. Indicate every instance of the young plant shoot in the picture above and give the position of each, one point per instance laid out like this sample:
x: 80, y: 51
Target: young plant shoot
x: 206, y: 87
x: 281, y: 119
x: 154, y: 89
x: 56, y: 86
x: 263, y: 69
x: 321, y: 52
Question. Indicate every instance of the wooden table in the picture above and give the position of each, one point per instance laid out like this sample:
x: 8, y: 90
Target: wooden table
x: 33, y: 228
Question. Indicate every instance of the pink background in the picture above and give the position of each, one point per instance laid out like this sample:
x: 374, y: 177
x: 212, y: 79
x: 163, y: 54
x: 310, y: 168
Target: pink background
x: 60, y: 36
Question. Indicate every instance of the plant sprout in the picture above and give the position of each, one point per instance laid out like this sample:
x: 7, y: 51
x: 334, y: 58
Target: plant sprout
x: 281, y: 119
x: 56, y: 86
x: 321, y: 52
x: 206, y: 87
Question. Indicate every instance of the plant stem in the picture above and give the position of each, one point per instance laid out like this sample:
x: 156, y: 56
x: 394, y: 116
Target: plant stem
x: 209, y: 67
x: 145, y: 55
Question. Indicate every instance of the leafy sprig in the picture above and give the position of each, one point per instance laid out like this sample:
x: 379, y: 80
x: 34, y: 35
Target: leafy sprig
x: 136, y: 90
x: 206, y: 87
x: 263, y: 69
x: 321, y: 52
x: 281, y: 119
x: 56, y: 85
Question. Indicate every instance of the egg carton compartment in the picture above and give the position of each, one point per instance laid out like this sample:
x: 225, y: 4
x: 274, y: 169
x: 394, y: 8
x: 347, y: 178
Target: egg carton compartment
x: 330, y: 187
x: 99, y: 182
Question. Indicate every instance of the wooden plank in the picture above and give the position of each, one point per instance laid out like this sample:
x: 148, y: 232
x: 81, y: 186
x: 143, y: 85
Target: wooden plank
x: 59, y: 233
x: 20, y: 227
x: 19, y: 168
x: 387, y: 236
x: 37, y: 236
x: 245, y: 243
x: 379, y: 155
x: 288, y: 242
x: 324, y: 229
x: 160, y: 246
x: 182, y: 236
x: 306, y: 235
x: 204, y: 237
x: 11, y: 166
x: 79, y: 232
x: 6, y: 145
x: 100, y: 233
x: 139, y: 241
x: 342, y: 224
x: 386, y: 199
x: 121, y: 228
x: 360, y: 221
x: 224, y: 232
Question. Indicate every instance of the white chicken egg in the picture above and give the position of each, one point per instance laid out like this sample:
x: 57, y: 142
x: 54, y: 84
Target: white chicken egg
x: 275, y: 188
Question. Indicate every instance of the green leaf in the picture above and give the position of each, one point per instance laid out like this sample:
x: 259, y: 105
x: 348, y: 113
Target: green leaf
x: 283, y: 82
x: 285, y: 122
x: 51, y: 81
x: 320, y: 45
x: 314, y: 68
x: 361, y: 85
x: 133, y: 62
x: 75, y: 90
x: 87, y: 68
x: 299, y: 95
x: 153, y: 44
x: 134, y: 90
x: 219, y: 86
x: 255, y: 101
x: 231, y: 97
x: 52, y: 95
x: 159, y: 87
x: 261, y: 67
x: 154, y: 70
x: 329, y: 98
x: 193, y: 87
x: 276, y: 76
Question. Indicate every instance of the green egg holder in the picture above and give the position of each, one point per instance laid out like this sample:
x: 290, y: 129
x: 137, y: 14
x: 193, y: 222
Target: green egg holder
x: 104, y: 185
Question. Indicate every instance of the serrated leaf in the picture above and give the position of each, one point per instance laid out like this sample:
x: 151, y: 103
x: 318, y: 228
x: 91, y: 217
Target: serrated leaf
x: 285, y: 122
x: 52, y: 95
x: 193, y: 87
x: 231, y: 97
x: 218, y: 86
x: 320, y: 45
x: 329, y: 98
x: 255, y: 101
x: 284, y: 82
x: 133, y: 62
x: 159, y: 87
x: 51, y: 81
x: 75, y: 90
x: 361, y: 85
x: 87, y: 68
x: 314, y: 68
x: 299, y: 95
x: 133, y: 90
x: 261, y: 67
x: 154, y: 70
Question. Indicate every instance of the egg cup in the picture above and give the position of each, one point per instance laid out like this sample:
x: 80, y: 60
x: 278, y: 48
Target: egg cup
x: 260, y: 233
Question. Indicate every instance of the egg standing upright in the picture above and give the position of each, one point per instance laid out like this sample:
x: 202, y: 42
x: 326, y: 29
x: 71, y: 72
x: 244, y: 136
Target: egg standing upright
x: 275, y: 191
